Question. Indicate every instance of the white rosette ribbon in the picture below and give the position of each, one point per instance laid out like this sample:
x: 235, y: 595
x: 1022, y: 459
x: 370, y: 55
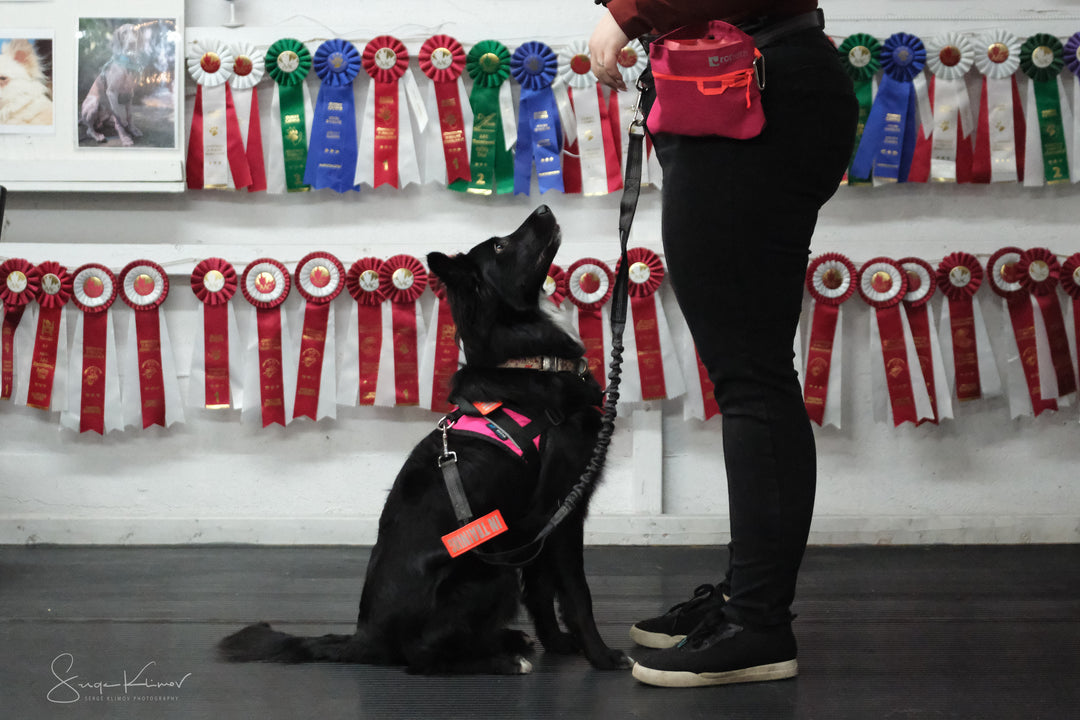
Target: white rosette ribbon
x: 593, y: 148
x: 997, y: 57
x: 249, y: 68
x: 949, y: 57
x: 210, y: 63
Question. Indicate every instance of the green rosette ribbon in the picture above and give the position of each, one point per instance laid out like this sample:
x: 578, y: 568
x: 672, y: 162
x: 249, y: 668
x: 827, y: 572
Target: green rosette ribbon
x: 491, y: 164
x: 1042, y: 58
x: 288, y: 61
x: 861, y: 57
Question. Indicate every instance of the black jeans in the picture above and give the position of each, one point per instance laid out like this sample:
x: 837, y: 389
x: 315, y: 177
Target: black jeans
x: 738, y: 216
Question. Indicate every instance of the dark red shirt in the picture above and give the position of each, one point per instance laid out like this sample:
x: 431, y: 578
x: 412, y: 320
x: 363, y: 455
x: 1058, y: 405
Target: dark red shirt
x: 637, y: 17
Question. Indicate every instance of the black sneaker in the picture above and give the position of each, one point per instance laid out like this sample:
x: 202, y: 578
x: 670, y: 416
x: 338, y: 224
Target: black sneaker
x: 720, y: 652
x: 668, y: 629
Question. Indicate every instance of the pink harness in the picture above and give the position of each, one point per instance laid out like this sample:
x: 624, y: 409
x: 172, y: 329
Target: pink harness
x: 488, y: 429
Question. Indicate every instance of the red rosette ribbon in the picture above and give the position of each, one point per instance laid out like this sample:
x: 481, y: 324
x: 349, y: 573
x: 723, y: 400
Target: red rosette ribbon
x: 1040, y: 274
x: 19, y: 283
x: 1004, y: 271
x: 54, y: 292
x: 441, y: 353
x: 882, y: 284
x: 385, y: 59
x: 1070, y: 283
x: 830, y: 281
x: 555, y: 285
x: 93, y: 290
x: 646, y: 272
x: 402, y: 280
x: 144, y: 286
x: 589, y: 283
x: 214, y: 283
x: 920, y: 288
x: 959, y: 276
x: 320, y: 277
x: 265, y: 284
x: 362, y: 282
x: 442, y: 59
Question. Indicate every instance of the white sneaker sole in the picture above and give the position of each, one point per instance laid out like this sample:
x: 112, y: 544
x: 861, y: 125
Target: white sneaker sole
x: 759, y: 673
x: 659, y: 641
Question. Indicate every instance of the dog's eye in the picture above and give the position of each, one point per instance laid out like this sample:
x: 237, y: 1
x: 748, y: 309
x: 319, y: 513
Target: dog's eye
x: 500, y: 245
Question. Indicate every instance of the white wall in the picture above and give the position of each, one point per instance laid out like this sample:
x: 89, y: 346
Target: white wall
x: 980, y: 478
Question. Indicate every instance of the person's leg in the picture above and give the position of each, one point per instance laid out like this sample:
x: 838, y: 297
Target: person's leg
x: 737, y: 222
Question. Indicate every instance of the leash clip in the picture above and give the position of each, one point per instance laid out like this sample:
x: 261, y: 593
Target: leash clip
x: 637, y: 124
x: 448, y: 456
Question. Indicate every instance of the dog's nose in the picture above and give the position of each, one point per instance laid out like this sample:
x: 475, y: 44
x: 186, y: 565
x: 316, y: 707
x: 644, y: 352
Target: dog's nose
x: 543, y: 210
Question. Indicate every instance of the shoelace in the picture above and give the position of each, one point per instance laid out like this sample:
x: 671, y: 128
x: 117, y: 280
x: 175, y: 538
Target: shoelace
x: 701, y: 594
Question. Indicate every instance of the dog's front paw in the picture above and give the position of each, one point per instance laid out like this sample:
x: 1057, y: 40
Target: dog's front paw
x: 516, y: 641
x: 612, y: 660
x: 126, y: 141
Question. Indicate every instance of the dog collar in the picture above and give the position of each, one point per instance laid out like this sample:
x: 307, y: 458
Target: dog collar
x: 548, y: 363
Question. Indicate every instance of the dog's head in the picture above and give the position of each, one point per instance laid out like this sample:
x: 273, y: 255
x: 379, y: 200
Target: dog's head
x: 21, y: 74
x: 131, y: 41
x: 495, y: 289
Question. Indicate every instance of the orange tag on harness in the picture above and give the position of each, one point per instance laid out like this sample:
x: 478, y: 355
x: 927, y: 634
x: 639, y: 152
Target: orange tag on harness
x: 486, y: 408
x: 478, y: 531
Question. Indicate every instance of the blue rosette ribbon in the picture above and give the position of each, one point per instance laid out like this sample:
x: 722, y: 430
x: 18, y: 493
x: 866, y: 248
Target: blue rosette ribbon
x: 888, y: 142
x: 539, y: 142
x: 332, y: 155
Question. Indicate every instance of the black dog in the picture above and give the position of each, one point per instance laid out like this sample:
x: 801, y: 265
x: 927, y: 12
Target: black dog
x: 435, y: 613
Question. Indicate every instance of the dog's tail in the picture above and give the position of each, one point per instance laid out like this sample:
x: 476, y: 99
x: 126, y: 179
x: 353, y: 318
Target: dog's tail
x: 261, y: 643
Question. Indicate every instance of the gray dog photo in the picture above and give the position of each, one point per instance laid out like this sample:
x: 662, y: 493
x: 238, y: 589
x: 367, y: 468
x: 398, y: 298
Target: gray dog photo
x: 128, y: 82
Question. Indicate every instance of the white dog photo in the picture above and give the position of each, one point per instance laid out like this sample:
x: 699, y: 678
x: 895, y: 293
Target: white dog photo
x: 26, y: 85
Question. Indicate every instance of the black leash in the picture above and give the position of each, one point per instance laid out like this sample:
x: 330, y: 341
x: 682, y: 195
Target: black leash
x: 525, y: 554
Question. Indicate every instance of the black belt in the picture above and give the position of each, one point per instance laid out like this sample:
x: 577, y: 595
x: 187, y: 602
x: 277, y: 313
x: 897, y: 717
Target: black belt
x: 767, y: 32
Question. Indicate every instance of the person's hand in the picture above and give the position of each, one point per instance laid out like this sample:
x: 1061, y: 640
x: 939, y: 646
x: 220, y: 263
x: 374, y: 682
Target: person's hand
x: 606, y: 42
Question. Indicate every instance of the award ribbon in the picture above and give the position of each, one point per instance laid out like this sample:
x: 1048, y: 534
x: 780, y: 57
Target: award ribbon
x: 50, y: 340
x: 555, y: 285
x: 959, y: 276
x: 216, y: 157
x: 320, y: 277
x: 652, y: 347
x: 1005, y: 281
x: 589, y: 285
x: 93, y: 292
x: 442, y: 59
x: 1072, y: 62
x: 830, y: 280
x: 387, y: 130
x: 441, y: 354
x: 402, y: 280
x: 332, y: 154
x: 150, y: 380
x: 19, y: 283
x: 888, y: 141
x: 861, y: 57
x: 288, y: 62
x: 265, y: 284
x: 249, y: 67
x: 1040, y: 273
x: 921, y: 284
x: 1042, y: 57
x: 1070, y: 283
x: 539, y: 136
x: 632, y: 61
x: 999, y: 139
x: 882, y: 284
x: 360, y: 375
x: 592, y: 164
x: 949, y: 58
x: 214, y: 283
x: 492, y: 162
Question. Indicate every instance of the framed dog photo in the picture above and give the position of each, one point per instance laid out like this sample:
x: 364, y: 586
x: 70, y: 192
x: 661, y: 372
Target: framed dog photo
x: 26, y: 81
x: 128, y: 83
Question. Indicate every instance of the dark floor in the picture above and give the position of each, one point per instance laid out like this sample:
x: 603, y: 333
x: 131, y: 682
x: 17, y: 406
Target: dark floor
x: 911, y: 632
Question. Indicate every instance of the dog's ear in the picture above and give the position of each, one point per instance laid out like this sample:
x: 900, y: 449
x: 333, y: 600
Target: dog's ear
x: 454, y: 271
x: 23, y: 53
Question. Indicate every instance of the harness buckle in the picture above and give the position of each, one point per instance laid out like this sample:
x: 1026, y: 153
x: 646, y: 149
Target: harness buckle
x: 447, y: 458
